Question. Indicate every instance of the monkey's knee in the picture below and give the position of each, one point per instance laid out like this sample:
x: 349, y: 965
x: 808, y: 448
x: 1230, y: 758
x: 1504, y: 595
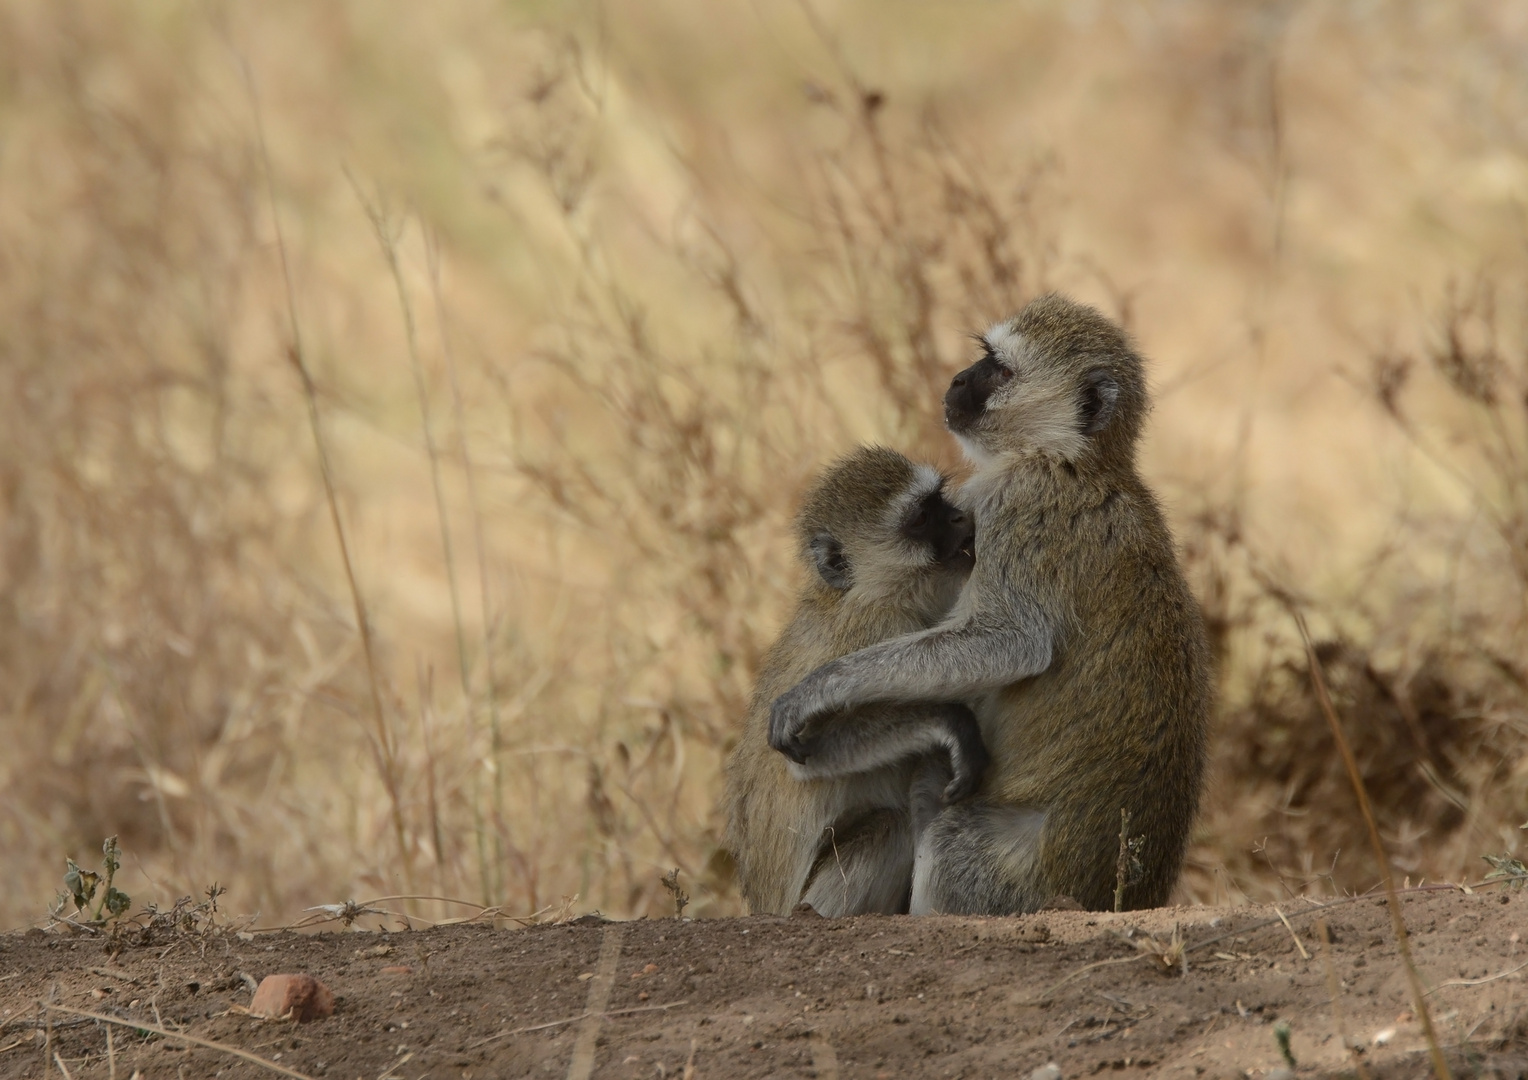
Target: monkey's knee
x: 864, y: 867
x: 979, y: 860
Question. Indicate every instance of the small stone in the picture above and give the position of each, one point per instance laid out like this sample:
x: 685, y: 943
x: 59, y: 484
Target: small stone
x: 1061, y: 903
x: 397, y: 969
x: 1049, y: 1071
x: 805, y: 910
x: 301, y: 996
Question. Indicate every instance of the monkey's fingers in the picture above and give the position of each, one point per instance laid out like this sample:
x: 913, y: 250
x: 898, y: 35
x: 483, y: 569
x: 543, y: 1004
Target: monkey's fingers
x: 962, y: 787
x: 796, y: 750
x: 970, y: 765
x: 787, y: 725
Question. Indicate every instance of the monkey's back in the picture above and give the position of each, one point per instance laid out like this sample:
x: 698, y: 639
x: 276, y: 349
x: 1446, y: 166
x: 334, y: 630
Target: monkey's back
x: 1120, y: 719
x: 774, y: 821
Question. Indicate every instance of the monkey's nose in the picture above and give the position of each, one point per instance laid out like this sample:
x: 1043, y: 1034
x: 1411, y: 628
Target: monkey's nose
x: 958, y: 380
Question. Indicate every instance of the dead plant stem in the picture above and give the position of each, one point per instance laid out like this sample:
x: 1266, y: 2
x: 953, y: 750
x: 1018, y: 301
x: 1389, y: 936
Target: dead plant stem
x: 387, y: 760
x: 1392, y: 900
x: 493, y: 880
x: 1334, y: 989
x: 574, y: 1020
x: 1292, y: 935
x: 388, y: 242
x: 143, y: 1025
x: 426, y: 712
x: 1122, y: 864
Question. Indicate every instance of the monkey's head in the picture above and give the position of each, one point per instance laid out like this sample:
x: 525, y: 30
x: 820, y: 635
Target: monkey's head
x: 879, y: 526
x: 1057, y: 379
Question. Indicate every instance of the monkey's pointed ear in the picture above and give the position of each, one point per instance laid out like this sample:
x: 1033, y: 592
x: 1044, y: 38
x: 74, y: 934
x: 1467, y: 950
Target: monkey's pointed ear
x: 1100, y: 393
x: 832, y: 563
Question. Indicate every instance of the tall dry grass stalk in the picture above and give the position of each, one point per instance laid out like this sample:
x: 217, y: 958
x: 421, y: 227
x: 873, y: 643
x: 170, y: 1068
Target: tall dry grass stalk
x: 665, y: 287
x: 1381, y: 856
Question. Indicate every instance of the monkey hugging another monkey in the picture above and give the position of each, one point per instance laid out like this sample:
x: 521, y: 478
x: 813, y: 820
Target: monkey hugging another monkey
x: 1073, y: 658
x: 886, y: 554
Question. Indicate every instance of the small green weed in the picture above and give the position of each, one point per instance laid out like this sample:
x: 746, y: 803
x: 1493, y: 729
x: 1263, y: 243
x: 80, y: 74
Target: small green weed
x: 83, y: 886
x: 1281, y: 1032
x: 670, y: 882
x: 1505, y: 868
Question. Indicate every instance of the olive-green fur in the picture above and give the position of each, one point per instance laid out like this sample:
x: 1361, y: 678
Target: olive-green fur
x: 775, y: 823
x: 1120, y: 718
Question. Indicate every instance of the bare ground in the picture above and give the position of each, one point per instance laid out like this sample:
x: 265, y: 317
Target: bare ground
x: 803, y: 997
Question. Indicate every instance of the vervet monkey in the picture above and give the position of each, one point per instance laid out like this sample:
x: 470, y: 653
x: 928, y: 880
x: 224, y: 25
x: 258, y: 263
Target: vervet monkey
x: 827, y: 820
x: 1076, y: 640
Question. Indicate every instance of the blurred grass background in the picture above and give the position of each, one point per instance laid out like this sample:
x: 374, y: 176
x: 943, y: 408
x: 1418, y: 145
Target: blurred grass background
x: 587, y: 292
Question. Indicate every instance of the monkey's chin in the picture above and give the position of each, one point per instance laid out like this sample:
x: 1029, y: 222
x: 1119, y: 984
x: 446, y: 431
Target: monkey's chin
x: 974, y: 452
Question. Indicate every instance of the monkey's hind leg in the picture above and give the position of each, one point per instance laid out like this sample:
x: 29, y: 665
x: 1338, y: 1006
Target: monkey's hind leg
x: 973, y: 858
x: 864, y: 866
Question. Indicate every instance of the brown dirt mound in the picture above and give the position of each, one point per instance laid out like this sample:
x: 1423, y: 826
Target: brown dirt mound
x: 801, y: 997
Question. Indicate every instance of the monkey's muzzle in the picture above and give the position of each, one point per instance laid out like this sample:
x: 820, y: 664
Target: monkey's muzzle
x: 966, y: 399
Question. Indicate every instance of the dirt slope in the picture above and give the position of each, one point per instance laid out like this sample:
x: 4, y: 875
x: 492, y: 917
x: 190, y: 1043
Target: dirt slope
x: 802, y: 997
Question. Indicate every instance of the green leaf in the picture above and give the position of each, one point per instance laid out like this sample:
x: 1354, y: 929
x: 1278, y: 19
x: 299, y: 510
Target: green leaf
x: 117, y: 902
x: 81, y: 884
x: 1506, y: 868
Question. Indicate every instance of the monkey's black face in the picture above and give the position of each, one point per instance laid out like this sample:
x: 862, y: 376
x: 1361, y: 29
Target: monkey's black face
x: 966, y: 399
x: 945, y: 529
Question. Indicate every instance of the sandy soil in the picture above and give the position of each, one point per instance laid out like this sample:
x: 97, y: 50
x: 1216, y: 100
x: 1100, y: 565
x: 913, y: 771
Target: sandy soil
x: 801, y: 997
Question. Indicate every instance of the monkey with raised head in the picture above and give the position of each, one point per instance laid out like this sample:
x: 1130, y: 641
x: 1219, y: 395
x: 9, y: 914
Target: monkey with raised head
x: 1076, y: 640
x: 885, y: 553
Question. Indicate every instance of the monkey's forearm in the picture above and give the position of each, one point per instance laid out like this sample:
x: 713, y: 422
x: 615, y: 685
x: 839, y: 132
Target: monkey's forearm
x: 934, y: 665
x: 878, y: 735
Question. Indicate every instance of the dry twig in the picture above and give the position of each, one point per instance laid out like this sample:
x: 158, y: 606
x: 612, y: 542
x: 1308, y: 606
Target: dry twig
x: 143, y: 1025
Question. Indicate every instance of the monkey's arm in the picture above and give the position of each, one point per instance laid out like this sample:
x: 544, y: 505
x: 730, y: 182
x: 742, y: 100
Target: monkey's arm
x: 877, y: 735
x: 967, y: 656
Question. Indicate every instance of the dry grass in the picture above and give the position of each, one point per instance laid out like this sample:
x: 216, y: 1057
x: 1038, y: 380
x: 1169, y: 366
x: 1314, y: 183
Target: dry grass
x: 629, y: 293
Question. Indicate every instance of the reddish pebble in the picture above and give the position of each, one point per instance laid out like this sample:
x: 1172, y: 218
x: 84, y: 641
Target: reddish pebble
x: 303, y: 996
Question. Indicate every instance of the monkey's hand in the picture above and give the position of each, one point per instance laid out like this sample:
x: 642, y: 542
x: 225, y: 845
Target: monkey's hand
x: 789, y: 719
x: 968, y: 753
x: 788, y: 726
x: 812, y: 707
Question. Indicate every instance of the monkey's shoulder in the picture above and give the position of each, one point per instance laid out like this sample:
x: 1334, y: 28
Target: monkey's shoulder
x: 820, y: 631
x: 1052, y: 526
